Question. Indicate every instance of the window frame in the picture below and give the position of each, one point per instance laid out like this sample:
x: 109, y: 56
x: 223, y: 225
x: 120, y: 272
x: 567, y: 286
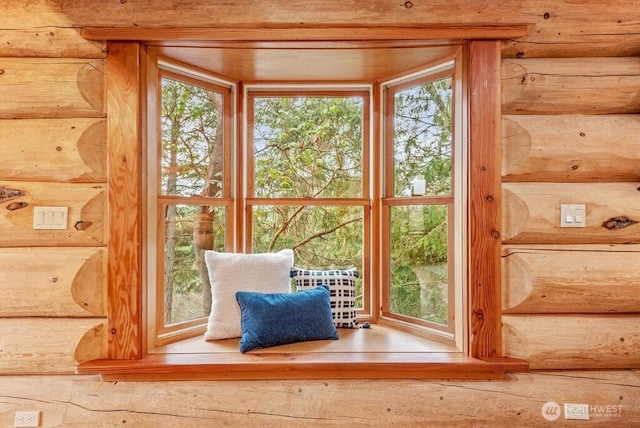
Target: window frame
x: 250, y: 200
x: 127, y: 71
x: 455, y: 201
x: 155, y: 201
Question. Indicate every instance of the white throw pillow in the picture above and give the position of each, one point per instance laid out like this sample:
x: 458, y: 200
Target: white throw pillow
x: 233, y: 272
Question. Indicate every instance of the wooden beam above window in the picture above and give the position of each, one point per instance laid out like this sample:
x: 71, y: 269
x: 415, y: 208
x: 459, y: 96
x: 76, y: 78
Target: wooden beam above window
x: 307, y: 33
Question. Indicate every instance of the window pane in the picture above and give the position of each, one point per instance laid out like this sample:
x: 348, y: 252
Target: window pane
x: 188, y: 232
x: 322, y: 237
x: 419, y: 270
x: 192, y: 139
x: 308, y: 147
x: 422, y: 138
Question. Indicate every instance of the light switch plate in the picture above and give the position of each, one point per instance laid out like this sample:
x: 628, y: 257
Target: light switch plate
x: 573, y: 215
x: 50, y: 217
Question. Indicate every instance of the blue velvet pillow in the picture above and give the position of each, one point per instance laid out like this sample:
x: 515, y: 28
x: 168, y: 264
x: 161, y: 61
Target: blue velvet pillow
x: 270, y: 319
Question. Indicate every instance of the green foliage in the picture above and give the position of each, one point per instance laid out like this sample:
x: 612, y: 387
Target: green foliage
x: 422, y: 137
x: 189, y: 126
x: 312, y: 147
x: 308, y: 147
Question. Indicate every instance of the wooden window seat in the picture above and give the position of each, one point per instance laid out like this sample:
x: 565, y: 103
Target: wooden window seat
x: 380, y: 352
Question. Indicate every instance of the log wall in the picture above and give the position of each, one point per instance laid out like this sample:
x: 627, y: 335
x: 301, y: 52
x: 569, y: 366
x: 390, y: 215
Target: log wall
x: 517, y: 401
x: 570, y: 131
x: 571, y: 98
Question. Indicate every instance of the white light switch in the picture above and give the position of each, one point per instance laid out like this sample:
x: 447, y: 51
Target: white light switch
x: 573, y: 215
x: 50, y: 217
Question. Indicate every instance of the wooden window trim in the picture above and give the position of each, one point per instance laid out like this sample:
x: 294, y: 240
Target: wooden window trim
x: 432, y: 73
x: 125, y: 359
x: 157, y: 333
x: 363, y: 200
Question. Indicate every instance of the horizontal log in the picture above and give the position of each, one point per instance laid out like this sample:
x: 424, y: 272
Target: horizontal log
x: 52, y: 282
x: 570, y: 148
x: 86, y: 218
x: 71, y: 150
x: 571, y: 279
x: 531, y: 213
x: 557, y: 27
x: 584, y: 45
x: 44, y: 345
x: 51, y: 88
x: 49, y: 42
x: 573, y: 341
x: 571, y: 86
x: 74, y: 400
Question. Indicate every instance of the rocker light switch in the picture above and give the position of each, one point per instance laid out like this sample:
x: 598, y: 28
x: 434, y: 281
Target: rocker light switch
x: 572, y: 215
x: 50, y: 217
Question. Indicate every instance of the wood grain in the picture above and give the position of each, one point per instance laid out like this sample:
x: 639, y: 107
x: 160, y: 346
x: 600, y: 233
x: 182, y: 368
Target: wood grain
x: 484, y: 199
x: 337, y: 365
x: 41, y: 345
x: 72, y: 150
x: 51, y: 42
x: 85, y: 225
x: 571, y: 279
x: 573, y: 341
x: 125, y: 198
x: 92, y: 345
x: 323, y: 62
x: 570, y: 148
x: 532, y: 212
x: 571, y: 86
x: 52, y: 282
x: 556, y: 27
x: 307, y: 32
x: 585, y: 43
x: 51, y: 88
x: 516, y: 402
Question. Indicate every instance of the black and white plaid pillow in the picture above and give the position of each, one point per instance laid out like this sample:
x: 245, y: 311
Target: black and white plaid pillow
x: 342, y: 291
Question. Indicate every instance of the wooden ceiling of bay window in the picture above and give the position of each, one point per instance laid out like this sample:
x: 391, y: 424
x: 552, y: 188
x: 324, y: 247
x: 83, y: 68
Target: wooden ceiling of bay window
x: 310, y: 61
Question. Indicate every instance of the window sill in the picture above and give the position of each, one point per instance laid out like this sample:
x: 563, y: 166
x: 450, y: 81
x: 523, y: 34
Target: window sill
x: 263, y: 366
x: 359, y: 354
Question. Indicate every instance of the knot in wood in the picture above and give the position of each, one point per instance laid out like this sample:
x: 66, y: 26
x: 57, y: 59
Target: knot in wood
x: 495, y: 234
x: 546, y: 15
x: 408, y: 4
x: 615, y: 223
x: 479, y: 314
x: 82, y: 225
x: 113, y: 331
x: 16, y: 206
x: 490, y: 198
x: 7, y: 194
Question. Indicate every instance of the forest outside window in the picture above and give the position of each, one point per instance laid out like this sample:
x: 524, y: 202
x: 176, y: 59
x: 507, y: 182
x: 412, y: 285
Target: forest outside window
x: 422, y: 212
x: 308, y: 176
x: 301, y: 176
x: 189, y: 196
